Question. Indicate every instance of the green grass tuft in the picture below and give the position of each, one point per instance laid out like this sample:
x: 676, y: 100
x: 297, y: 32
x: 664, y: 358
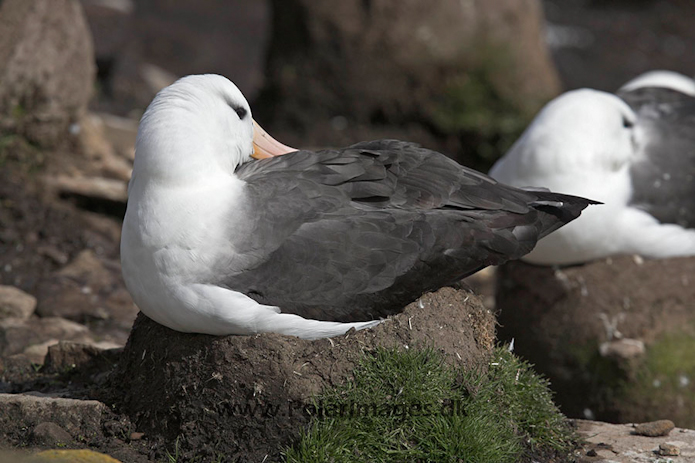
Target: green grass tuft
x: 410, y: 406
x: 519, y: 396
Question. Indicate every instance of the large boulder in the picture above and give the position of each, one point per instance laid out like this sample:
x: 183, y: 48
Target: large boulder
x: 344, y: 70
x: 46, y: 67
x: 243, y: 396
x: 615, y: 337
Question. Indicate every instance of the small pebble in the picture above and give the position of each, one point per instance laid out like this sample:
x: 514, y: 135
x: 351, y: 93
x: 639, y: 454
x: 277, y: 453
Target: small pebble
x: 669, y: 450
x: 654, y: 428
x: 591, y: 453
x: 622, y: 349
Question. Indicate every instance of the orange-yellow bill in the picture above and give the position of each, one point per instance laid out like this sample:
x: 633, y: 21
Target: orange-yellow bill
x: 265, y: 146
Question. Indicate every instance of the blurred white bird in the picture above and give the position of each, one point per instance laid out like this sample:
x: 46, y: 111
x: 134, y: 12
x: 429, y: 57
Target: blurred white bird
x: 635, y: 152
x: 661, y: 79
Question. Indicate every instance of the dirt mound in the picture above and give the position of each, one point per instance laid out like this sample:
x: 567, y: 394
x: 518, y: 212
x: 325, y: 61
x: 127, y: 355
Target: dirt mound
x: 615, y: 337
x: 246, y: 397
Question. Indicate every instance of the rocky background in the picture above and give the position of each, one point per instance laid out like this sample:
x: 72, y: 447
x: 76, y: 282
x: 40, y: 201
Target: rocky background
x: 460, y: 77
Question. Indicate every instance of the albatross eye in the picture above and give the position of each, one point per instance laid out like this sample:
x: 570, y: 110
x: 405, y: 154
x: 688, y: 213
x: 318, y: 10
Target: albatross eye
x: 628, y: 124
x: 241, y: 112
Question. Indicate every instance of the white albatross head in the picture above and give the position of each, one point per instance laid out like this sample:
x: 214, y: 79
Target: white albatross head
x: 579, y: 131
x: 198, y: 126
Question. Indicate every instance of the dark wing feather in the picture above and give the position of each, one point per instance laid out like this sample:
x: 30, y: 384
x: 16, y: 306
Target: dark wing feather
x: 358, y: 233
x: 663, y: 180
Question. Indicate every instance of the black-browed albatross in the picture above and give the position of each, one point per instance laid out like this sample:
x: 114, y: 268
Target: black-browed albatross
x: 308, y: 244
x: 634, y: 151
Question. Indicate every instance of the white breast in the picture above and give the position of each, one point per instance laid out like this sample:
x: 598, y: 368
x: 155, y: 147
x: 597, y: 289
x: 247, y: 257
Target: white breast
x: 173, y: 237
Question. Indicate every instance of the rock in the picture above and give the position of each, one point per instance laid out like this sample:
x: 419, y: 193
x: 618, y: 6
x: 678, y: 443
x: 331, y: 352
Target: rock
x: 16, y: 303
x: 121, y: 133
x: 46, y: 67
x: 669, y: 450
x: 17, y: 334
x: 615, y: 337
x: 615, y: 443
x: 606, y: 455
x: 74, y: 456
x: 88, y: 288
x: 102, y: 232
x: 86, y: 264
x: 56, y: 255
x: 19, y: 412
x: 203, y: 383
x: 98, y: 188
x: 15, y: 368
x: 98, y: 148
x: 346, y: 70
x: 654, y: 428
x: 67, y: 355
x: 624, y: 349
x: 36, y: 353
x: 50, y: 435
x: 92, y: 137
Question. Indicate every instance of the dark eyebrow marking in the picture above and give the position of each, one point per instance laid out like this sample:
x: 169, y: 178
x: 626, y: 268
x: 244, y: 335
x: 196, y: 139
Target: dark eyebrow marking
x: 240, y: 111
